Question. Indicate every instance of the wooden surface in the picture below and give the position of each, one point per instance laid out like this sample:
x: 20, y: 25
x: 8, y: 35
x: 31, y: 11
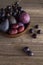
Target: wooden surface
x: 11, y: 48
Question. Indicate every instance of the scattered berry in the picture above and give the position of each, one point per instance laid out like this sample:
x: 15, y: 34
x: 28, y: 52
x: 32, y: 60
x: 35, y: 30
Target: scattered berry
x: 25, y: 49
x: 31, y: 30
x: 39, y: 31
x: 34, y: 35
x: 36, y: 26
x: 28, y: 51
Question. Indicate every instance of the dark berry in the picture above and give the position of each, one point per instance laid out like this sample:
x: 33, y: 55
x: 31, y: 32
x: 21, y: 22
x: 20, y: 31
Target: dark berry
x: 34, y: 35
x: 7, y: 15
x: 13, y: 7
x: 36, y: 26
x: 39, y: 31
x: 14, y: 13
x: 30, y: 53
x: 16, y: 4
x: 25, y: 49
x: 19, y: 8
x: 8, y: 7
x: 8, y: 10
x: 31, y: 30
x: 22, y: 11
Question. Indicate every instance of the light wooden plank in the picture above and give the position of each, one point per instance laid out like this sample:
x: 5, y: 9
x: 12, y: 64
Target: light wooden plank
x: 21, y: 60
x: 11, y: 48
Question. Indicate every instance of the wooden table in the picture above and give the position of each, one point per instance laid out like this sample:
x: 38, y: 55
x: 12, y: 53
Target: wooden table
x: 11, y: 48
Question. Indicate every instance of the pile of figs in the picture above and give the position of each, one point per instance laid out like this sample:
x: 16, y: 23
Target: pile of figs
x: 13, y: 19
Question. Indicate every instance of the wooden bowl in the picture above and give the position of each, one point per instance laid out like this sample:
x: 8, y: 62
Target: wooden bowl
x: 17, y: 35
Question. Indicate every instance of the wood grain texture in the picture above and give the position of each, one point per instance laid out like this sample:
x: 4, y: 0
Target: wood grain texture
x: 11, y: 48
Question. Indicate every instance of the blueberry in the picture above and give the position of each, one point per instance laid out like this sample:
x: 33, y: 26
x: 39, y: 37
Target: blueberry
x: 16, y: 4
x: 13, y: 6
x: 31, y: 30
x: 22, y: 11
x: 30, y: 53
x: 39, y: 31
x: 36, y: 26
x: 8, y: 11
x: 19, y: 8
x: 14, y: 14
x: 25, y: 49
x: 34, y: 35
x: 8, y: 7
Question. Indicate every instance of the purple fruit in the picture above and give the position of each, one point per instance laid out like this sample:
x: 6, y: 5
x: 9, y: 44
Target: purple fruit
x: 14, y: 26
x: 24, y: 17
x: 21, y: 29
x: 13, y: 31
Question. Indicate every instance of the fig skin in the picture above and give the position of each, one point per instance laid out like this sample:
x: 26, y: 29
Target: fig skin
x: 24, y: 17
x: 4, y: 26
